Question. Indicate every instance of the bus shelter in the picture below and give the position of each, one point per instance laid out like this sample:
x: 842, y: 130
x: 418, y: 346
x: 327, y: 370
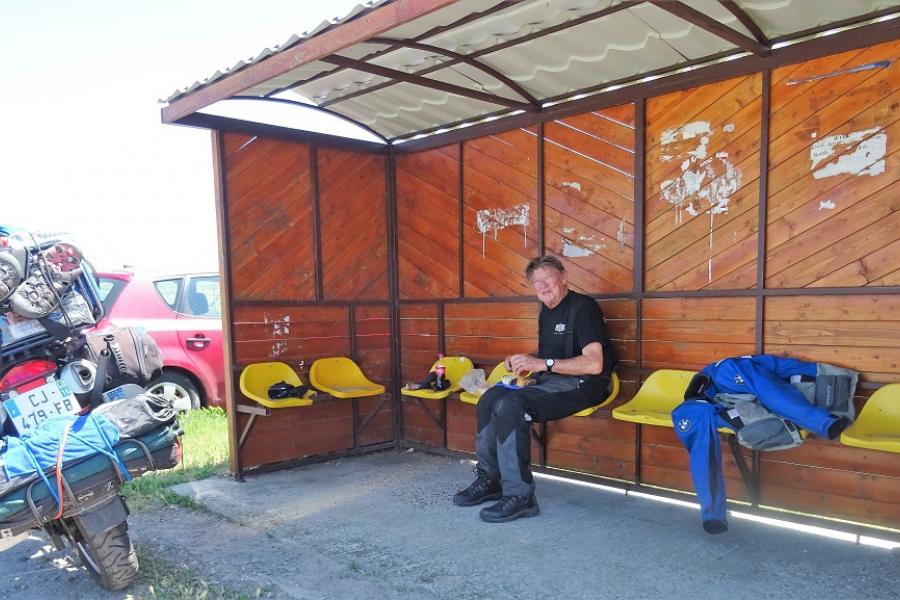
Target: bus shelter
x: 719, y: 176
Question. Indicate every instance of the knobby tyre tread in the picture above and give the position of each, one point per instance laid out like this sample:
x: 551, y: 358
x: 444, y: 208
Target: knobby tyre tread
x: 110, y: 558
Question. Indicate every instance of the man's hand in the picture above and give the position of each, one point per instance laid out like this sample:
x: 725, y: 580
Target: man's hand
x: 589, y: 363
x: 517, y: 363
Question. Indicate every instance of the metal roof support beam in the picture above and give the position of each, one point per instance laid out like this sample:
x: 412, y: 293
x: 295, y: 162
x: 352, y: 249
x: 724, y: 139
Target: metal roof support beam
x: 626, y: 4
x: 695, y: 17
x: 456, y: 56
x: 423, y: 36
x: 450, y: 88
x: 384, y: 18
x: 746, y: 20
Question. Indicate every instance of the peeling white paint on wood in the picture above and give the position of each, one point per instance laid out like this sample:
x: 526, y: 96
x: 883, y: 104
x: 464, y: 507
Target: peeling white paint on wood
x: 867, y: 158
x: 573, y: 250
x: 572, y: 184
x: 706, y: 183
x: 620, y: 233
x: 685, y: 132
x: 568, y: 230
x: 826, y: 205
x: 494, y: 219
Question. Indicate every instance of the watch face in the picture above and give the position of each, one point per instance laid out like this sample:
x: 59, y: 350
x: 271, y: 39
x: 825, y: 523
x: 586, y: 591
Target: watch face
x: 550, y: 362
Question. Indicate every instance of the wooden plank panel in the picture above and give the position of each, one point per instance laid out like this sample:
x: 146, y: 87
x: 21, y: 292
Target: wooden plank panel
x: 293, y: 433
x: 353, y: 225
x: 689, y: 333
x: 289, y: 333
x: 701, y: 172
x: 427, y: 213
x: 461, y: 425
x: 418, y: 426
x: 419, y: 342
x: 587, y: 226
x: 500, y: 184
x: 834, y: 174
x: 857, y: 332
x: 268, y: 199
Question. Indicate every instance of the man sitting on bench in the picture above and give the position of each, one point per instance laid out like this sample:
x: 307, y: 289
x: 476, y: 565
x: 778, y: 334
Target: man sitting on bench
x: 573, y: 366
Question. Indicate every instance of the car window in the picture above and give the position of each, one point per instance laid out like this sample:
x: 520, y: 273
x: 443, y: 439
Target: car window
x: 169, y: 289
x: 203, y: 298
x: 109, y: 291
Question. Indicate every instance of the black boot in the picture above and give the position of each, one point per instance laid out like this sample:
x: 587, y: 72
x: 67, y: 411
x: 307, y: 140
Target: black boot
x: 510, y: 508
x: 482, y: 489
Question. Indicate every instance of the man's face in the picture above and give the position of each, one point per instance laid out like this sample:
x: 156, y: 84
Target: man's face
x: 550, y: 285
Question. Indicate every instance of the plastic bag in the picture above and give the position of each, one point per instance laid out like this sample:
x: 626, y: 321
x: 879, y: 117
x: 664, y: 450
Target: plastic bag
x: 474, y: 381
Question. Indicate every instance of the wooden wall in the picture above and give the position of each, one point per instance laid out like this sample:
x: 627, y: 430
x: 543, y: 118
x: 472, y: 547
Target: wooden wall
x: 753, y: 214
x: 808, y: 157
x: 283, y: 310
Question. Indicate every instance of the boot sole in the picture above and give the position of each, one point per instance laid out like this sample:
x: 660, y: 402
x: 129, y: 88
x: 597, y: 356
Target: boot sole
x: 481, y: 500
x: 532, y: 511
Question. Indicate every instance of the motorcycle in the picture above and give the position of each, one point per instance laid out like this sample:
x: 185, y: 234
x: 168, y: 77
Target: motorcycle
x: 75, y: 420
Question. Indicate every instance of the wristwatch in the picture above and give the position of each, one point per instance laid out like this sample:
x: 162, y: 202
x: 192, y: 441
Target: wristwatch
x: 549, y: 362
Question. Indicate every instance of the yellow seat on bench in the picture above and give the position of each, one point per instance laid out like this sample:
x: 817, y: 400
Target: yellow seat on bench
x: 258, y: 377
x: 456, y: 367
x: 878, y: 425
x: 340, y: 377
x: 495, y: 376
x: 658, y: 397
x: 613, y: 392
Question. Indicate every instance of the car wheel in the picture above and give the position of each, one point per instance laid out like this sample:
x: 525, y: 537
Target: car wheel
x: 179, y: 389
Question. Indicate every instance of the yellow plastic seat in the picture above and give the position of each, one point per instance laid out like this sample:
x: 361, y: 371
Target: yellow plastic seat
x: 658, y: 397
x: 342, y: 378
x: 878, y: 425
x: 456, y: 367
x: 495, y: 376
x: 258, y: 377
x: 613, y: 392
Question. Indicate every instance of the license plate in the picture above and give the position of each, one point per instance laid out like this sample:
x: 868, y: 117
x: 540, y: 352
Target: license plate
x: 28, y: 409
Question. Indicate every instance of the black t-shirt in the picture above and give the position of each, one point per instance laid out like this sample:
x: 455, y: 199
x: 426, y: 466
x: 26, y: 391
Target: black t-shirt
x: 588, y: 326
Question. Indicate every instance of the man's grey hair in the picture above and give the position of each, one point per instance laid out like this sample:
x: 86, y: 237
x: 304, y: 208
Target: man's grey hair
x: 544, y: 261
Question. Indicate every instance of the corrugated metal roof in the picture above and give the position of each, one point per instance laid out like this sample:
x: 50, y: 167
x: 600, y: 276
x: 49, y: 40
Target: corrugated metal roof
x: 543, y: 49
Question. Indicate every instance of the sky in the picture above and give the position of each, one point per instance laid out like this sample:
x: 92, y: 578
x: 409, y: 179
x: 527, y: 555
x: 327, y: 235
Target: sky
x: 84, y: 150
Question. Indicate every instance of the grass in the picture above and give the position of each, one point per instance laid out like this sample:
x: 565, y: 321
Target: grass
x: 204, y: 453
x: 161, y: 580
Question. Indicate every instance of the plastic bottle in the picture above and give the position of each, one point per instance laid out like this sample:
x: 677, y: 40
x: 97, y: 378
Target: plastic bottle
x: 440, y: 371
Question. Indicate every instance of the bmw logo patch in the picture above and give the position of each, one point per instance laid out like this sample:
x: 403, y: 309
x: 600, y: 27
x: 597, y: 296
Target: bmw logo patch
x: 684, y: 424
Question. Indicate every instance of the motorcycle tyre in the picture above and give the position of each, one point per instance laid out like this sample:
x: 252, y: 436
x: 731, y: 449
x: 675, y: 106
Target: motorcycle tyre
x: 109, y: 557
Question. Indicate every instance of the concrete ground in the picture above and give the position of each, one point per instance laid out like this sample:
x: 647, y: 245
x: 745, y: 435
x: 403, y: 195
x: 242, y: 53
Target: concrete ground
x: 382, y: 526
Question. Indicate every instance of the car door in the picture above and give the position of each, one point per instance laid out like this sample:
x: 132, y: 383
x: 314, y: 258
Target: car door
x: 200, y: 331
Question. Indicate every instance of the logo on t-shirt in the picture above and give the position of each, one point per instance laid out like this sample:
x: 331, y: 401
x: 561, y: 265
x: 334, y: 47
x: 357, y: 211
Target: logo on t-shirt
x: 560, y: 328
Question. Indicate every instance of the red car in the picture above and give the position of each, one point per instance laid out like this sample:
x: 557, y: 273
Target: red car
x: 183, y: 314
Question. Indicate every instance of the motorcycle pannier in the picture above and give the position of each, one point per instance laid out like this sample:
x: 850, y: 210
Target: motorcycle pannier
x: 129, y: 354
